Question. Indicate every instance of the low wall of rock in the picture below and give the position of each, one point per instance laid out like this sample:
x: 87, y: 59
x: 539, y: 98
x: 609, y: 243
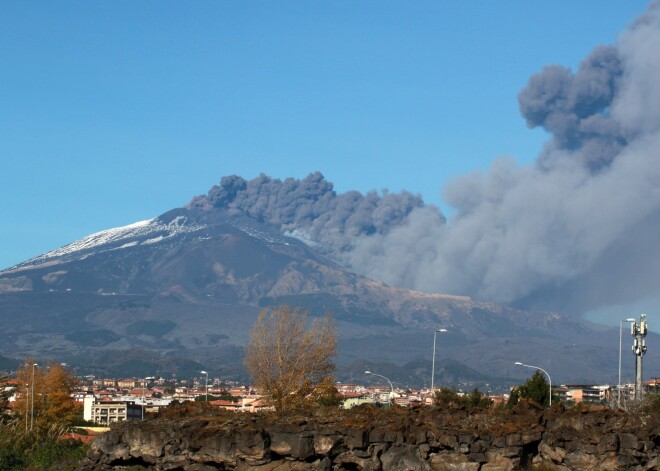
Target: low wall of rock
x: 366, y: 439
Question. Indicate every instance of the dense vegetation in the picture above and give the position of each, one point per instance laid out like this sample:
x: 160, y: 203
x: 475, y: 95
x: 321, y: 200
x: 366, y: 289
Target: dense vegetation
x: 536, y: 389
x: 35, y: 435
x: 39, y: 449
x: 448, y: 398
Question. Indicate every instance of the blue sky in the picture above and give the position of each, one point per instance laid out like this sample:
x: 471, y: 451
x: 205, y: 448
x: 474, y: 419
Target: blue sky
x: 114, y: 112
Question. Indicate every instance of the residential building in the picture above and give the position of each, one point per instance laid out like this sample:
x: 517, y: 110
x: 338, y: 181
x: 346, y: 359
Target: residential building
x: 652, y: 385
x: 107, y: 412
x: 351, y: 399
x: 583, y: 393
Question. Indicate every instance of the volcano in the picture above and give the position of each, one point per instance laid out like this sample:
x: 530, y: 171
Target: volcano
x: 183, y: 289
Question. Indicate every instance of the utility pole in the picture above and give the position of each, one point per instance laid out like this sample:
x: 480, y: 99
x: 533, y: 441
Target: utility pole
x: 630, y: 319
x: 638, y: 331
x: 27, y: 401
x: 32, y: 398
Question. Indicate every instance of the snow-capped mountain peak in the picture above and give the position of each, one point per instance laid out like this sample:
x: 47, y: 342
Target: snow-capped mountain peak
x: 149, y: 231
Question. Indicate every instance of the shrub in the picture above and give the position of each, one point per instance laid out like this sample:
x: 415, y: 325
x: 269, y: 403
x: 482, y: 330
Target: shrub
x: 448, y: 398
x: 38, y: 449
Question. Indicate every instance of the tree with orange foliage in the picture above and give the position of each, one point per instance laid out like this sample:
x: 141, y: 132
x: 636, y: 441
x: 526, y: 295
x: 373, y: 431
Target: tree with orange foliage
x: 24, y: 391
x: 48, y: 389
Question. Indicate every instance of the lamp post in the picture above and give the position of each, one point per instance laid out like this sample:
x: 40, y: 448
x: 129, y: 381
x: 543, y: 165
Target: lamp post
x: 207, y: 384
x: 435, y: 334
x: 27, y: 399
x: 32, y: 398
x: 630, y: 319
x: 546, y: 373
x: 391, y: 387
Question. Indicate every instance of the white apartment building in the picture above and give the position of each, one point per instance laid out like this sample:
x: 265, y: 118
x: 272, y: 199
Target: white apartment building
x: 107, y: 412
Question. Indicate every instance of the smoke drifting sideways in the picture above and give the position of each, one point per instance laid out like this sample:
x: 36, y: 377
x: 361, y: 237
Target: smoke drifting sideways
x: 311, y: 210
x: 577, y: 230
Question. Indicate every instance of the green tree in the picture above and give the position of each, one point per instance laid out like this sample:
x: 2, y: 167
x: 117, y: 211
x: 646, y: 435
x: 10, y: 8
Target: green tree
x: 536, y: 389
x: 286, y: 358
x: 448, y: 398
x: 223, y: 396
x: 476, y: 400
x: 514, y: 397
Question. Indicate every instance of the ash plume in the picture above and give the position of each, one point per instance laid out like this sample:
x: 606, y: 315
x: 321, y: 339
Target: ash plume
x: 576, y: 230
x: 574, y: 108
x: 310, y: 209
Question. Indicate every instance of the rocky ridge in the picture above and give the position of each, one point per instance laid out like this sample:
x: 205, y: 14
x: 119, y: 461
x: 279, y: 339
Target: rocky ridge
x: 368, y: 439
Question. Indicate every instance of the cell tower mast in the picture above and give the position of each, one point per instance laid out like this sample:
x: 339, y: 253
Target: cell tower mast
x: 638, y: 331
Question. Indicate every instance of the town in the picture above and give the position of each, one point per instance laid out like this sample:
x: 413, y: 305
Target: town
x: 102, y: 401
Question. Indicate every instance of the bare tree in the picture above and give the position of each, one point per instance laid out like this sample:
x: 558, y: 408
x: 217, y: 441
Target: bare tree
x: 286, y: 358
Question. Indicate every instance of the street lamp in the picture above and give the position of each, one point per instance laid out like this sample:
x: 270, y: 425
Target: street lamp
x: 435, y: 334
x: 32, y: 398
x: 207, y: 384
x: 27, y: 399
x: 546, y: 373
x: 630, y: 319
x: 391, y: 387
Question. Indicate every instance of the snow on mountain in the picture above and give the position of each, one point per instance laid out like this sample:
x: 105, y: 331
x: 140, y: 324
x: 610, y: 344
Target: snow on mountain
x: 150, y: 231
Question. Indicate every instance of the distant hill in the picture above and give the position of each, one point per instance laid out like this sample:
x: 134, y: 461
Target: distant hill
x: 185, y: 288
x: 8, y: 364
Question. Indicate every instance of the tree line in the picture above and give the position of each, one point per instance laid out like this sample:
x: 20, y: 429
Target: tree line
x: 33, y: 431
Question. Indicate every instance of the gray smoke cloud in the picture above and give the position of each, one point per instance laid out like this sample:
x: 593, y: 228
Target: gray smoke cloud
x: 576, y: 230
x: 310, y: 208
x: 574, y: 108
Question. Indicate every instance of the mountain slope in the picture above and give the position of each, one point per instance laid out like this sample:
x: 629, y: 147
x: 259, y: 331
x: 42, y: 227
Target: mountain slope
x: 189, y: 283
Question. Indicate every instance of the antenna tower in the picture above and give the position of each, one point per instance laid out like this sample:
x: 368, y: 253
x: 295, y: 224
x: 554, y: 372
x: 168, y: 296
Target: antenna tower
x: 638, y: 331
